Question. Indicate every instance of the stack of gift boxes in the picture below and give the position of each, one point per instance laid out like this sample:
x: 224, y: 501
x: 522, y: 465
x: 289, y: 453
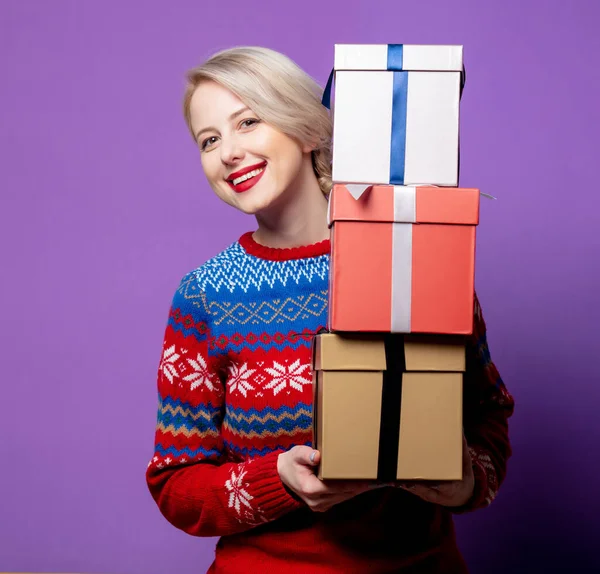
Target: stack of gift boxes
x: 388, y: 372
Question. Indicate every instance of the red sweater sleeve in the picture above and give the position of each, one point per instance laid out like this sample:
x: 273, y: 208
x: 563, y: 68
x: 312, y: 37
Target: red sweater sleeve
x: 487, y: 408
x: 195, y: 487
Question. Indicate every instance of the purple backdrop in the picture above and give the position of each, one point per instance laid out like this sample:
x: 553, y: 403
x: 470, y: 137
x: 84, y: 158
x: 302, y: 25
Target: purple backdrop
x: 104, y: 207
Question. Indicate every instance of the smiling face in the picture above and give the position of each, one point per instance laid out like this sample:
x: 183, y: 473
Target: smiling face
x: 248, y: 163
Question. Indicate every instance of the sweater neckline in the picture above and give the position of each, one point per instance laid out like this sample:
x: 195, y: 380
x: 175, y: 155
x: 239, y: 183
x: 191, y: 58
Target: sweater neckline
x: 251, y: 247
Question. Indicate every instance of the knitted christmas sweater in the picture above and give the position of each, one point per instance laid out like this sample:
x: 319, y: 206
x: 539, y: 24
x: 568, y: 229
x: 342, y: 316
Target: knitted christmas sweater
x: 235, y: 390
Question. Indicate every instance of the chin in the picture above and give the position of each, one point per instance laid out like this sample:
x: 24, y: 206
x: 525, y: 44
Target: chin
x: 248, y: 210
x: 255, y: 205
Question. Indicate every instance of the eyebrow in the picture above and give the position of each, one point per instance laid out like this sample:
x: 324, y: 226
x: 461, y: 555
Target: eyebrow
x: 231, y: 117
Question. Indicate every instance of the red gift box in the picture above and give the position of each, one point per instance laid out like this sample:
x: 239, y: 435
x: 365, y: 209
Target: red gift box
x: 402, y: 259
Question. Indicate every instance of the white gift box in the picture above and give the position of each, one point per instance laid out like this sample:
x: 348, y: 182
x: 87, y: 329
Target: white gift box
x: 396, y: 126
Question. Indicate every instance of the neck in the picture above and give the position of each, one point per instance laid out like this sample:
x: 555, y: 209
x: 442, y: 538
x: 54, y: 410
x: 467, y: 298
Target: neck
x: 299, y: 217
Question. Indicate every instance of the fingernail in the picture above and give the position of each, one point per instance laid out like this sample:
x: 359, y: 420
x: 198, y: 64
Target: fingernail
x: 312, y: 455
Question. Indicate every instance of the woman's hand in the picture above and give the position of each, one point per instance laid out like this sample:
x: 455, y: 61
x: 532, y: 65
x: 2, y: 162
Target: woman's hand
x: 453, y: 493
x: 295, y: 469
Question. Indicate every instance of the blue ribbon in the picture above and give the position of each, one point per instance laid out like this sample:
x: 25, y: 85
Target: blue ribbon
x: 395, y: 57
x: 398, y: 135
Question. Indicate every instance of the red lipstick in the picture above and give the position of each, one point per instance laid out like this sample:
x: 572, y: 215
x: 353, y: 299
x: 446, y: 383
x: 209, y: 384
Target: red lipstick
x: 248, y: 182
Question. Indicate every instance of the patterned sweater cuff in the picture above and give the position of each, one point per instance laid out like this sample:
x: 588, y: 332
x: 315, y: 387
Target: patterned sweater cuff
x: 269, y: 494
x: 486, y: 482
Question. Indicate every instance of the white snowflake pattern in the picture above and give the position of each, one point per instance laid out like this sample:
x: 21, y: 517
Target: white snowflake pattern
x: 201, y: 375
x: 253, y: 518
x: 485, y: 462
x: 167, y: 363
x: 238, y: 378
x: 238, y: 495
x: 284, y: 375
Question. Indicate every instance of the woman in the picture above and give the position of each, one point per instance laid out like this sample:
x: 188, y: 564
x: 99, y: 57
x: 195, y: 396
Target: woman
x: 232, y: 455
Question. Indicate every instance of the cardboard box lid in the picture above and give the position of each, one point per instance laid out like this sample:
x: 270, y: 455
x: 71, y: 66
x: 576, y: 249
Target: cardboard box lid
x: 404, y: 204
x: 430, y: 353
x: 348, y: 352
x: 366, y: 352
x: 407, y: 57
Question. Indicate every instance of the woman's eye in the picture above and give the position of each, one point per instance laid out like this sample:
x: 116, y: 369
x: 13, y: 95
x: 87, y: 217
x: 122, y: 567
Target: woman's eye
x: 208, y: 142
x: 249, y: 122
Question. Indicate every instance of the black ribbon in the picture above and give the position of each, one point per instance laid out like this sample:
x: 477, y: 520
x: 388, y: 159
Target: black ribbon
x: 326, y: 98
x: 391, y: 402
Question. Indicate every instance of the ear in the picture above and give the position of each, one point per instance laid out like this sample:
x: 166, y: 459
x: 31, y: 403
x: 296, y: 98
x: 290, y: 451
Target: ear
x: 310, y: 147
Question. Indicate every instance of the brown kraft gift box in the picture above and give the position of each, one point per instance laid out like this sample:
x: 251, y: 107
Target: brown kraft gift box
x: 388, y: 407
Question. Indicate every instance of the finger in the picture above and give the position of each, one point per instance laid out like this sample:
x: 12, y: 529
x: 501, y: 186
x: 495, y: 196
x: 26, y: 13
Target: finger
x: 306, y: 456
x: 323, y: 507
x: 466, y: 452
x: 347, y: 486
x: 312, y: 487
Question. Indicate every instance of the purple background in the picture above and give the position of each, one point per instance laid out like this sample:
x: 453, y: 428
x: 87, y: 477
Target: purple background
x: 104, y: 207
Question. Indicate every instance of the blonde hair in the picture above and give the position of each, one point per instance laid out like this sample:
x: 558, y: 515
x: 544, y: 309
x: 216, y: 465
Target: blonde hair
x: 278, y: 91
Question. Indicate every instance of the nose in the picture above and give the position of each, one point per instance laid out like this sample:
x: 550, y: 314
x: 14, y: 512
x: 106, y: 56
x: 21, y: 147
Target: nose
x: 231, y: 150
